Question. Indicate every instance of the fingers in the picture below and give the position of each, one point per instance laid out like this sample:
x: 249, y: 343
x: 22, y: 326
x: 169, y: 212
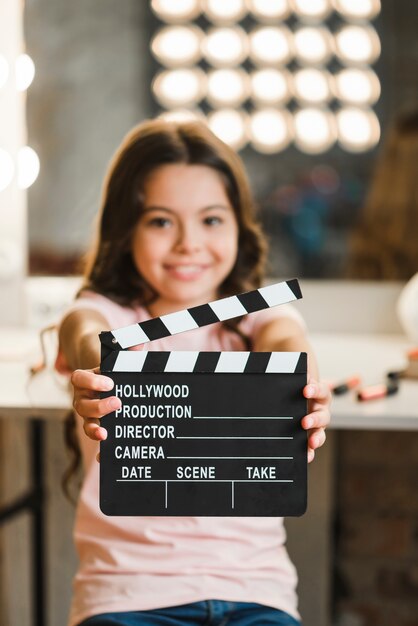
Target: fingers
x: 317, y: 391
x: 93, y: 429
x: 91, y: 379
x: 318, y: 419
x: 316, y: 438
x: 87, y: 385
x: 91, y: 411
x: 88, y: 407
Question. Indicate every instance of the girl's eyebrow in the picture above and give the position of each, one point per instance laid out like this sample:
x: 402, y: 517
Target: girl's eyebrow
x: 148, y: 209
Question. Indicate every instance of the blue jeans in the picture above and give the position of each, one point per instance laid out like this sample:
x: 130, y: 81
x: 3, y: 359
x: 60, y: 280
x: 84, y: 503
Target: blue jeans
x: 207, y: 613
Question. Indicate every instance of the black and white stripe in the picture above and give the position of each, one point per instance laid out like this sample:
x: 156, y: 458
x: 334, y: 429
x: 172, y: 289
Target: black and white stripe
x: 206, y: 362
x: 195, y: 317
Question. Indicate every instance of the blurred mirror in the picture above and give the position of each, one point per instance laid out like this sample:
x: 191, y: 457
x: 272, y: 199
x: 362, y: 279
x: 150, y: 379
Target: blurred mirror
x: 310, y: 121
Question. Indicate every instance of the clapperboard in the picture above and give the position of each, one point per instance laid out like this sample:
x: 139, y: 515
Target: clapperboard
x: 204, y: 433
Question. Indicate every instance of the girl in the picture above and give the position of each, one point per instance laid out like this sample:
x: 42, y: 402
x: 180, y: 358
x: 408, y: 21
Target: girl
x: 177, y: 229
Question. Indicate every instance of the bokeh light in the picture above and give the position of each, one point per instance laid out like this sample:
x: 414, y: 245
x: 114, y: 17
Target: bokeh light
x: 357, y: 44
x: 357, y: 86
x: 244, y: 80
x: 221, y: 12
x: 268, y: 10
x: 271, y: 45
x: 230, y: 125
x: 225, y: 47
x: 183, y: 115
x: 227, y: 87
x: 315, y: 130
x: 175, y: 46
x: 270, y: 130
x: 24, y: 72
x: 312, y: 86
x: 358, y: 9
x: 180, y: 87
x: 176, y: 10
x: 313, y: 45
x: 312, y: 10
x: 358, y: 129
x: 271, y: 86
x: 27, y: 167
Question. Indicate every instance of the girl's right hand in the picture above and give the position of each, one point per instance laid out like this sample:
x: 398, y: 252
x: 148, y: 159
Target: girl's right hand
x: 86, y: 401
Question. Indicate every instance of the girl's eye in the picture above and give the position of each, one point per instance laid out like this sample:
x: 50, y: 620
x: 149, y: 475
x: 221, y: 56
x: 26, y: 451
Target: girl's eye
x: 159, y: 222
x: 212, y: 220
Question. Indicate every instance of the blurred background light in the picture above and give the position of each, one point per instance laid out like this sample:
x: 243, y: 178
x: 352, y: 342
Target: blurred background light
x: 313, y: 45
x: 183, y: 115
x: 357, y: 44
x: 316, y: 10
x: 4, y: 70
x: 357, y: 86
x: 302, y: 66
x: 175, y: 46
x: 271, y: 45
x: 231, y: 126
x: 176, y: 10
x: 267, y: 10
x: 24, y: 71
x: 224, y: 12
x: 358, y: 129
x: 225, y: 47
x: 358, y: 9
x: 227, y: 87
x: 270, y: 86
x: 270, y: 130
x: 312, y: 86
x: 315, y: 130
x: 27, y: 167
x: 180, y: 87
x: 7, y: 169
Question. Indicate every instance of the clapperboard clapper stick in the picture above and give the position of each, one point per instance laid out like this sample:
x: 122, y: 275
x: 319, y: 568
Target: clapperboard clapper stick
x: 204, y: 433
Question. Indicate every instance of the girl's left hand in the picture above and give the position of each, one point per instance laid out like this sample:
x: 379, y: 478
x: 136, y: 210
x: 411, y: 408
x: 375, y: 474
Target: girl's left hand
x: 318, y: 418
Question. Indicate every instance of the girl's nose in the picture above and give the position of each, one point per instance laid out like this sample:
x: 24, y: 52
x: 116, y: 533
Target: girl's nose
x: 188, y: 240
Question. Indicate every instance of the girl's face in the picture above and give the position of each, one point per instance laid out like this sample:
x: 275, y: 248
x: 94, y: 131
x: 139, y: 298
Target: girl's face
x: 186, y: 240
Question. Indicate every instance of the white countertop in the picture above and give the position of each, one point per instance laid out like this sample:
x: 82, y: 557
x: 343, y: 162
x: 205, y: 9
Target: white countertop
x: 22, y: 395
x: 340, y: 356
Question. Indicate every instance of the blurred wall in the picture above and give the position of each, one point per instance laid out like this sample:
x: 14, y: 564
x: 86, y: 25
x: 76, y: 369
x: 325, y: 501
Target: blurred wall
x: 91, y: 86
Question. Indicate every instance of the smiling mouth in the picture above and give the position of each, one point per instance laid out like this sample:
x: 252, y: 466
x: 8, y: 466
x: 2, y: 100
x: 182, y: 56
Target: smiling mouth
x: 189, y: 267
x: 188, y: 270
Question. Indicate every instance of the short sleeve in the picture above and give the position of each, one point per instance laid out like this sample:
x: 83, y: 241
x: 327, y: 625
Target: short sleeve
x: 253, y: 323
x: 115, y: 314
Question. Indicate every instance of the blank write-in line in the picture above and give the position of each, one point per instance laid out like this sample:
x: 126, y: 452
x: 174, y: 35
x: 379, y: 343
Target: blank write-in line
x: 239, y: 417
x: 238, y: 458
x: 234, y: 437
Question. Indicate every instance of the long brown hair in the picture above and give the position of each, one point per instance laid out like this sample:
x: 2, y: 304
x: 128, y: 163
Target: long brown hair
x: 384, y: 242
x: 110, y: 269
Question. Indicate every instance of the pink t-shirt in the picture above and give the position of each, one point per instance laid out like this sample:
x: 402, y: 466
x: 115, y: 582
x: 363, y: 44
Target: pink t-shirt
x: 140, y: 563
